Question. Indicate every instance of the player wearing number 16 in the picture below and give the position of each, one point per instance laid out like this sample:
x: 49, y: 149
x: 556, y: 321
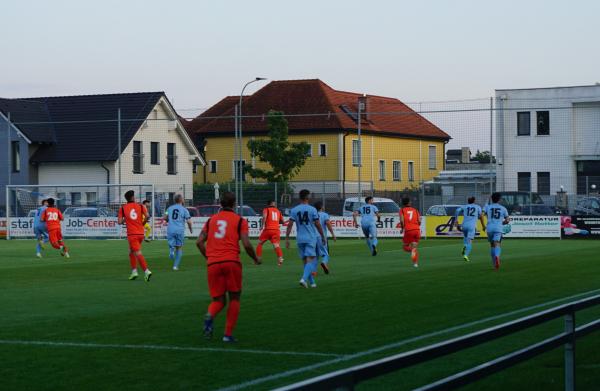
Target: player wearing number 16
x: 52, y: 217
x: 219, y: 244
x: 134, y: 216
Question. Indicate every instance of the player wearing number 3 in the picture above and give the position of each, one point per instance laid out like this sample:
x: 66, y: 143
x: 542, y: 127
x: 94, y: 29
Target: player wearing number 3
x: 177, y: 216
x: 272, y: 219
x: 134, y: 215
x: 219, y: 244
x: 52, y: 217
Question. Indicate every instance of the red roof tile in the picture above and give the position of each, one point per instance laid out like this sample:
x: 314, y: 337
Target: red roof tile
x: 313, y: 105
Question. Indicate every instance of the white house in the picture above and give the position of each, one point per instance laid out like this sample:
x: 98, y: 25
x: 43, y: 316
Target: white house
x: 548, y: 139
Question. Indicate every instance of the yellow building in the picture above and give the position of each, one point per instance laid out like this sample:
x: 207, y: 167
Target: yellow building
x: 400, y: 148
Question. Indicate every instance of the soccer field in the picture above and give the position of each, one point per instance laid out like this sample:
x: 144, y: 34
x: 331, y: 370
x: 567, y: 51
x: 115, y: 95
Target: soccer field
x: 81, y: 325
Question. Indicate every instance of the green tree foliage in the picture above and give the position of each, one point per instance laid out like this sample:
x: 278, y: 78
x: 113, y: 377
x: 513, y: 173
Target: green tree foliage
x: 484, y: 157
x: 284, y: 158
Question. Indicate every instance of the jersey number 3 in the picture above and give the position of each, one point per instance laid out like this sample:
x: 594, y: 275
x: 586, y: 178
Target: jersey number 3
x: 221, y: 229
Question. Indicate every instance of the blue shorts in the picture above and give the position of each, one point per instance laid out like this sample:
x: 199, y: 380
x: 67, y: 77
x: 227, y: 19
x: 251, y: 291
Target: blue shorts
x: 494, y: 236
x: 175, y: 239
x: 307, y: 249
x: 370, y: 231
x: 40, y: 231
x: 322, y: 249
x: 469, y: 232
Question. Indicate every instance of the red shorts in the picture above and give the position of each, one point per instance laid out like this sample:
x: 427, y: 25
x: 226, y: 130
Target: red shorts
x: 412, y: 236
x: 270, y: 235
x: 224, y: 277
x: 135, y: 242
x: 55, y: 236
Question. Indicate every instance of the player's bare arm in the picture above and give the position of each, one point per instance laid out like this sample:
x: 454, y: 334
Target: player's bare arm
x: 321, y: 232
x: 249, y: 249
x: 201, y: 243
x: 287, y: 233
x: 189, y: 223
x: 354, y: 218
x: 482, y: 220
x: 330, y: 228
x: 401, y: 222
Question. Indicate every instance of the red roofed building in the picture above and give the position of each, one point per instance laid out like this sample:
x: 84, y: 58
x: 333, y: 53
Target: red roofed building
x: 400, y: 147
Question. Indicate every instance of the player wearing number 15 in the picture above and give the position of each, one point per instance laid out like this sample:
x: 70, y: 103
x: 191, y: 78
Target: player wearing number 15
x: 497, y: 216
x: 219, y: 244
x: 134, y: 216
x: 52, y: 217
x: 272, y: 219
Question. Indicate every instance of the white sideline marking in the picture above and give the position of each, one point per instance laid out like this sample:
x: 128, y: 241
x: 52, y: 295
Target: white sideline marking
x: 368, y: 352
x: 161, y: 347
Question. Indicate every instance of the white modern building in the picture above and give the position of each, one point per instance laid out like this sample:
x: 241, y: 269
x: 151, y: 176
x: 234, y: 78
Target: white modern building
x: 548, y: 139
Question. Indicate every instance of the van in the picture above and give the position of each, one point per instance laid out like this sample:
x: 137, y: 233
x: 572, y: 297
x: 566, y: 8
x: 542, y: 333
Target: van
x: 386, y: 206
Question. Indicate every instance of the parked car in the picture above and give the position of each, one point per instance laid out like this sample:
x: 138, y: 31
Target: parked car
x: 193, y: 211
x: 386, y: 206
x: 247, y: 211
x: 207, y: 210
x: 89, y: 212
x: 442, y: 210
x: 534, y: 210
x: 512, y: 200
x: 588, y: 206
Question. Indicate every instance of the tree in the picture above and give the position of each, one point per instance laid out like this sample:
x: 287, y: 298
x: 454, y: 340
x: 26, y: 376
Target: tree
x: 484, y: 157
x: 284, y: 158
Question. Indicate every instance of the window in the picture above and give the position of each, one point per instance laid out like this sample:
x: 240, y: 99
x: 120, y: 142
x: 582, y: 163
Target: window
x: 382, y: 170
x: 171, y: 159
x: 411, y: 171
x: 154, y: 153
x: 76, y: 199
x: 323, y: 150
x: 234, y: 173
x: 213, y: 166
x: 432, y: 157
x: 138, y: 158
x: 397, y: 170
x: 543, y: 183
x: 91, y: 198
x: 523, y: 123
x: 356, y: 153
x: 524, y: 181
x: 543, y: 123
x: 309, y: 154
x: 16, y: 156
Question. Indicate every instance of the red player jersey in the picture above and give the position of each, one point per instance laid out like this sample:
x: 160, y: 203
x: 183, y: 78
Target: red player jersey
x: 223, y: 232
x: 134, y: 217
x: 411, y: 218
x: 272, y: 218
x: 52, y: 217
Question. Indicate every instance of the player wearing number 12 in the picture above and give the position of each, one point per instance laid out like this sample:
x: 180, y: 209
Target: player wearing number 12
x: 219, y: 244
x: 272, y: 219
x: 52, y: 217
x: 177, y: 216
x: 471, y: 212
x: 410, y: 224
x: 497, y: 217
x: 134, y: 215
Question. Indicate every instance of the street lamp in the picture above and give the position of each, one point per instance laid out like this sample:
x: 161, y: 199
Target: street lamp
x: 238, y: 136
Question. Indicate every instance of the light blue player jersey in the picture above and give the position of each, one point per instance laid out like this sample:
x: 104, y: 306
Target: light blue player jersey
x: 37, y: 219
x: 305, y: 216
x: 470, y: 213
x: 323, y: 219
x: 368, y: 214
x: 496, y: 214
x: 178, y: 215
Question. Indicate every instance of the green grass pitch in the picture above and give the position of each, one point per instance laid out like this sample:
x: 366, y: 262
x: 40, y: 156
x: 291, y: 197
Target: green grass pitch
x: 81, y: 325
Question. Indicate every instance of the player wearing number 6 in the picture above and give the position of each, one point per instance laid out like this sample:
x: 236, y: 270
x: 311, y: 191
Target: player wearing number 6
x: 272, y: 219
x: 410, y: 224
x: 497, y: 216
x: 52, y: 217
x: 134, y: 215
x: 177, y: 216
x: 471, y: 212
x: 219, y: 244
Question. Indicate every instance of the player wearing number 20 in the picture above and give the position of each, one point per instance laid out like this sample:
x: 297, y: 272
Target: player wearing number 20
x: 497, y: 216
x: 471, y: 212
x: 219, y: 244
x: 134, y: 216
x: 52, y: 217
x: 177, y: 216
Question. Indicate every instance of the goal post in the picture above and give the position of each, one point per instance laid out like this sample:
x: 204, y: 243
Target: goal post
x: 90, y: 211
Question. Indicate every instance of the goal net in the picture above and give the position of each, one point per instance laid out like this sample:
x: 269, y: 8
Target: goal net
x: 90, y: 211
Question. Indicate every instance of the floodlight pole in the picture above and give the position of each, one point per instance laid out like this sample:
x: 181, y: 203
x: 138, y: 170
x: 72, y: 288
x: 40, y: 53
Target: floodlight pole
x: 8, y: 152
x: 360, y: 108
x: 119, y: 141
x: 492, y: 143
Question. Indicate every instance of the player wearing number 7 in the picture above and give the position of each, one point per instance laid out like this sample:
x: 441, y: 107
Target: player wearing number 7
x: 52, y: 217
x: 134, y: 215
x: 410, y: 224
x: 497, y: 216
x: 272, y: 219
x: 177, y: 216
x: 219, y: 244
x: 471, y: 212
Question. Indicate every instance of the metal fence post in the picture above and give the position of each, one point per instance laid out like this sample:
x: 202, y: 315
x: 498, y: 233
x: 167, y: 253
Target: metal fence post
x: 275, y: 192
x: 570, y: 352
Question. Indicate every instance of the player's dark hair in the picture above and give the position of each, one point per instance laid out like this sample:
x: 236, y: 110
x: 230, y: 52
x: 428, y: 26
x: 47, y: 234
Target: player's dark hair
x: 368, y: 199
x: 405, y: 201
x: 146, y: 202
x: 228, y: 200
x: 270, y: 202
x: 496, y: 197
x: 304, y: 194
x: 318, y: 205
x: 130, y: 195
x: 50, y: 201
x: 471, y: 200
x: 44, y: 200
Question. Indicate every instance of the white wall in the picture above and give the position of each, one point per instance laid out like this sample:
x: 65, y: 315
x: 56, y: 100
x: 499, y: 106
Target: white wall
x: 71, y: 173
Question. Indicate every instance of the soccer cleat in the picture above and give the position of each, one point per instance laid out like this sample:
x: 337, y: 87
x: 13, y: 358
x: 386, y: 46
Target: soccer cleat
x: 175, y: 268
x: 303, y: 283
x: 133, y: 275
x: 279, y: 261
x: 415, y: 265
x: 313, y: 285
x: 229, y: 339
x: 374, y: 252
x: 66, y: 255
x: 466, y: 258
x: 147, y: 240
x: 497, y: 263
x: 39, y: 255
x: 208, y: 326
x: 147, y: 275
x: 325, y: 268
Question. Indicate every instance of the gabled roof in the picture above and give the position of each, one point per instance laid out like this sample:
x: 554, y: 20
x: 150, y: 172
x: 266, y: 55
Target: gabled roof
x: 313, y: 105
x: 22, y: 110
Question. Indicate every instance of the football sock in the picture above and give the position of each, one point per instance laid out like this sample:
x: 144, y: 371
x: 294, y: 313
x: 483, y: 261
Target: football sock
x: 493, y: 253
x: 132, y: 261
x: 369, y: 244
x: 308, y: 269
x: 468, y: 248
x: 142, y: 262
x: 407, y: 248
x: 414, y: 255
x: 171, y: 253
x: 64, y: 247
x: 232, y: 316
x: 259, y: 250
x: 178, y: 255
x: 215, y: 307
x: 374, y: 242
x: 498, y: 251
x: 278, y: 251
x: 38, y: 248
x: 311, y: 279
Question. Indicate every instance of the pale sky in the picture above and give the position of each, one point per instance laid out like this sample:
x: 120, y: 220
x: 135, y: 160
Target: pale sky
x: 199, y: 51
